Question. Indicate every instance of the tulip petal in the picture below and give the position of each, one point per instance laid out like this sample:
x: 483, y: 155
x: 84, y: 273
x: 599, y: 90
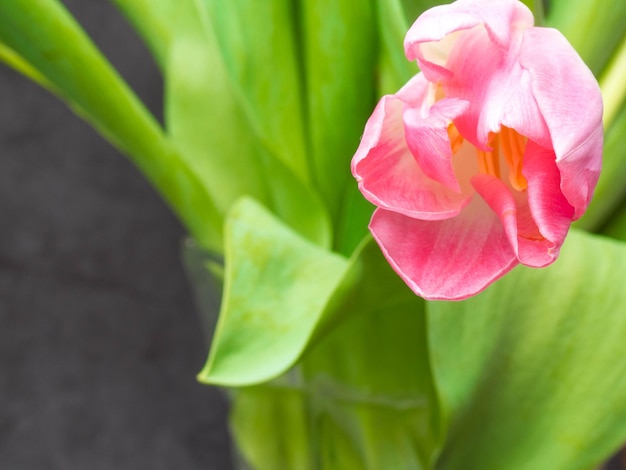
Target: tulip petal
x: 550, y: 209
x: 499, y: 17
x: 572, y: 110
x: 527, y: 242
x: 427, y: 138
x: 388, y: 173
x: 447, y: 259
x: 498, y: 87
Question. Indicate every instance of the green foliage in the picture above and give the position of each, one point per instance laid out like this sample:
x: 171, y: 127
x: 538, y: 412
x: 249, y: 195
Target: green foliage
x: 361, y: 395
x: 264, y: 106
x: 276, y: 287
x: 594, y: 29
x: 531, y: 372
x: 239, y: 130
x: 339, y: 50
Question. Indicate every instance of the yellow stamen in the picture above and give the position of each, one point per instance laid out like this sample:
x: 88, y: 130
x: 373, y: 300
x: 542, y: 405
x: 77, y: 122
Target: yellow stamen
x: 514, y: 145
x: 456, y: 139
x: 489, y: 162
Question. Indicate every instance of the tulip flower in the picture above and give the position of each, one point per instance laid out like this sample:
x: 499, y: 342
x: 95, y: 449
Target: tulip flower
x: 484, y: 158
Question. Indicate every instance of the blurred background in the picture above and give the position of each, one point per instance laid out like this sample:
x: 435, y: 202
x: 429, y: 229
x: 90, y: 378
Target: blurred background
x: 99, y: 336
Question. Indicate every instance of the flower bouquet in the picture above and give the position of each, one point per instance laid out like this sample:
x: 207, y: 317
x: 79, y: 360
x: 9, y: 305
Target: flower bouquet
x: 382, y: 193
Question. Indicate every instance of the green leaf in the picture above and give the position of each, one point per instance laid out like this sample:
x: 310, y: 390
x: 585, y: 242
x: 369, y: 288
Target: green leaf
x: 15, y: 61
x: 204, y: 119
x: 351, y: 337
x: 395, y: 68
x: 277, y: 412
x: 370, y: 381
x: 340, y: 58
x: 362, y: 398
x: 258, y: 42
x: 276, y: 287
x: 531, y: 371
x: 283, y: 294
x: 595, y: 30
x: 50, y: 47
x: 216, y: 115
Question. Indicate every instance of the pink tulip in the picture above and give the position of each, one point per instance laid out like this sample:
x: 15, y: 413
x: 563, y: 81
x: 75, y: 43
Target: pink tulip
x: 481, y: 161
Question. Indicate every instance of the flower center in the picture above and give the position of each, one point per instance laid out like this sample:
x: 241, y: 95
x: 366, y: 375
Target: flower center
x: 509, y: 143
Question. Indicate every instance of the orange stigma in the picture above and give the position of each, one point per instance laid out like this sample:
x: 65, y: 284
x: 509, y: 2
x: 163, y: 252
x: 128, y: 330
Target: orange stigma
x: 507, y: 142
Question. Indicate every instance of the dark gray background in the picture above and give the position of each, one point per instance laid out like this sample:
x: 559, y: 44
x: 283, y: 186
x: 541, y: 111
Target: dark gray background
x: 99, y: 338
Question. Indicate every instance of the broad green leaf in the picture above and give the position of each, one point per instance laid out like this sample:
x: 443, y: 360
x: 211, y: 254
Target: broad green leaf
x: 395, y: 68
x: 594, y: 29
x: 203, y: 118
x: 361, y: 396
x: 532, y: 372
x: 283, y: 294
x: 371, y: 382
x: 276, y: 287
x: 339, y: 47
x: 258, y: 41
x: 216, y: 124
x: 270, y: 426
x: 49, y: 45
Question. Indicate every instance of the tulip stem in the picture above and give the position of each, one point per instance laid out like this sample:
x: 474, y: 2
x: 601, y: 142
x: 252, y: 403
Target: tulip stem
x: 613, y: 85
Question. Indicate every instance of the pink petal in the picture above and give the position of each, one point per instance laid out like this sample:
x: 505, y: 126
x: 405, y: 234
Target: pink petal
x: 550, y: 209
x: 389, y: 175
x: 427, y: 138
x: 527, y: 242
x: 499, y: 17
x: 569, y: 99
x: 446, y: 259
x: 498, y: 88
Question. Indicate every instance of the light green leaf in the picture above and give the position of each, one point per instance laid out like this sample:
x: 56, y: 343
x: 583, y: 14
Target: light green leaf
x: 531, y: 372
x: 270, y: 425
x: 361, y: 394
x: 217, y: 116
x: 594, y: 29
x: 340, y: 43
x: 203, y: 118
x: 283, y: 294
x: 50, y: 47
x: 362, y: 398
x: 258, y: 42
x: 276, y: 287
x: 395, y: 68
x: 370, y: 381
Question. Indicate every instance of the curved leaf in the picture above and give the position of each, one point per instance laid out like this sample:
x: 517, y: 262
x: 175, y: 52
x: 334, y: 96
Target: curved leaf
x: 276, y: 287
x: 217, y: 116
x: 340, y: 54
x: 258, y: 42
x: 283, y: 294
x: 532, y: 371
